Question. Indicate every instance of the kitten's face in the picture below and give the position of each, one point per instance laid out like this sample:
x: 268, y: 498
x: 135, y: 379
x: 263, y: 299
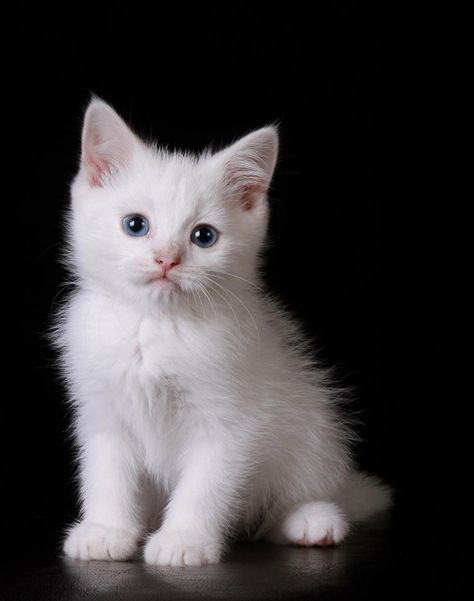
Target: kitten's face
x: 156, y: 226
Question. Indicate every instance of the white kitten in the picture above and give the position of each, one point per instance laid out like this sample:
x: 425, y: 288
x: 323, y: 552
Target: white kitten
x: 196, y: 405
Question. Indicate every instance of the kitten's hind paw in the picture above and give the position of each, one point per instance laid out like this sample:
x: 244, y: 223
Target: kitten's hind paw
x: 93, y: 541
x: 311, y: 524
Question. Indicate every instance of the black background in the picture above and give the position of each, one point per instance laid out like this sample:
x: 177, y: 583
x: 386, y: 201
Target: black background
x: 355, y: 248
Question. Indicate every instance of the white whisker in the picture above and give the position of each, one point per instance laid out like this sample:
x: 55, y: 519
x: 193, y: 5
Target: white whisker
x: 222, y: 273
x: 224, y: 289
x: 196, y: 295
x: 208, y: 297
x: 230, y: 307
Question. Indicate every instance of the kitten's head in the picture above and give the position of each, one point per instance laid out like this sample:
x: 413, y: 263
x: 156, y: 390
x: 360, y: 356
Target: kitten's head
x: 158, y: 226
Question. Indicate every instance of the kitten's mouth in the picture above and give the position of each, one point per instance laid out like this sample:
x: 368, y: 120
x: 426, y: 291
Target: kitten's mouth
x: 163, y: 279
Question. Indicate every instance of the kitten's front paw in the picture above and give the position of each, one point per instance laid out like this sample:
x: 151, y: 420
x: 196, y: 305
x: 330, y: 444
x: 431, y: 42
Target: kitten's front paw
x: 93, y: 541
x: 175, y: 548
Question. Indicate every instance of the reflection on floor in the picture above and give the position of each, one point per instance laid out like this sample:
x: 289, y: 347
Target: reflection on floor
x: 380, y: 560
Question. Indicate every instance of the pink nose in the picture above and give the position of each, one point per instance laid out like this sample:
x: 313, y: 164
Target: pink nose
x: 167, y: 262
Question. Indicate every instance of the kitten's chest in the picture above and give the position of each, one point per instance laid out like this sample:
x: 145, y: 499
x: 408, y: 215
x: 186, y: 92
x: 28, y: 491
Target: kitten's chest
x: 150, y: 360
x: 147, y: 360
x: 153, y: 360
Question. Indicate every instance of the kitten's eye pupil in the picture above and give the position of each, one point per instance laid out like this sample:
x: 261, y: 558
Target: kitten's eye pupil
x: 135, y: 225
x: 204, y: 236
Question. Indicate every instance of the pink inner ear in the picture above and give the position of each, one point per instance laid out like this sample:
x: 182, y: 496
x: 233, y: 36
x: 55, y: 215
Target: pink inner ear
x: 96, y: 159
x: 251, y: 196
x: 107, y: 144
x: 97, y: 168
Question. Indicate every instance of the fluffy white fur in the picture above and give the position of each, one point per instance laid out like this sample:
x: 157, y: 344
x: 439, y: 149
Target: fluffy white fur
x: 197, y: 408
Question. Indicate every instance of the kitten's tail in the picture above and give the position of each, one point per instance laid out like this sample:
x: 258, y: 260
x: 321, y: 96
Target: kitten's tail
x: 363, y: 496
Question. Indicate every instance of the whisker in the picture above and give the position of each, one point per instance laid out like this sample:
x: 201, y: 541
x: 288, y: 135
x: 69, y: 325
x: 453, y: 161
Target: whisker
x: 233, y: 275
x: 195, y: 295
x: 64, y: 286
x: 200, y: 276
x: 230, y: 307
x: 198, y: 291
x: 223, y: 288
x: 208, y: 297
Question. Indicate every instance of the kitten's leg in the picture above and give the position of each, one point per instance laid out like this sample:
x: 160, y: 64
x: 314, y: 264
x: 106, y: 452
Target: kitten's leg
x: 110, y: 527
x: 315, y: 523
x: 201, y: 507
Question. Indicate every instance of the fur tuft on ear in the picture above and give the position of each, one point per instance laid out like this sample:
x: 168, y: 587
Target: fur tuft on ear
x: 107, y: 143
x: 248, y: 166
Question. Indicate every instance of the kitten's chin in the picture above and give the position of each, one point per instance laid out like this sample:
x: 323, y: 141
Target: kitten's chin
x: 161, y: 289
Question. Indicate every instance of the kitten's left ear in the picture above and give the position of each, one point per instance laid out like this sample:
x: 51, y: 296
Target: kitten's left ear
x: 107, y: 143
x: 248, y: 166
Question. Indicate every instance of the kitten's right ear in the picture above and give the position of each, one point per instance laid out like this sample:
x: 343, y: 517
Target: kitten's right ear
x: 107, y: 143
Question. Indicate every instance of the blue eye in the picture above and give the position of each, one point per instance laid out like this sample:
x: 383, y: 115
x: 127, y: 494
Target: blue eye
x: 204, y: 236
x: 135, y: 225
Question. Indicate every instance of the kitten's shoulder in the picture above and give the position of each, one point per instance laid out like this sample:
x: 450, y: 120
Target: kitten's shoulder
x: 85, y: 301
